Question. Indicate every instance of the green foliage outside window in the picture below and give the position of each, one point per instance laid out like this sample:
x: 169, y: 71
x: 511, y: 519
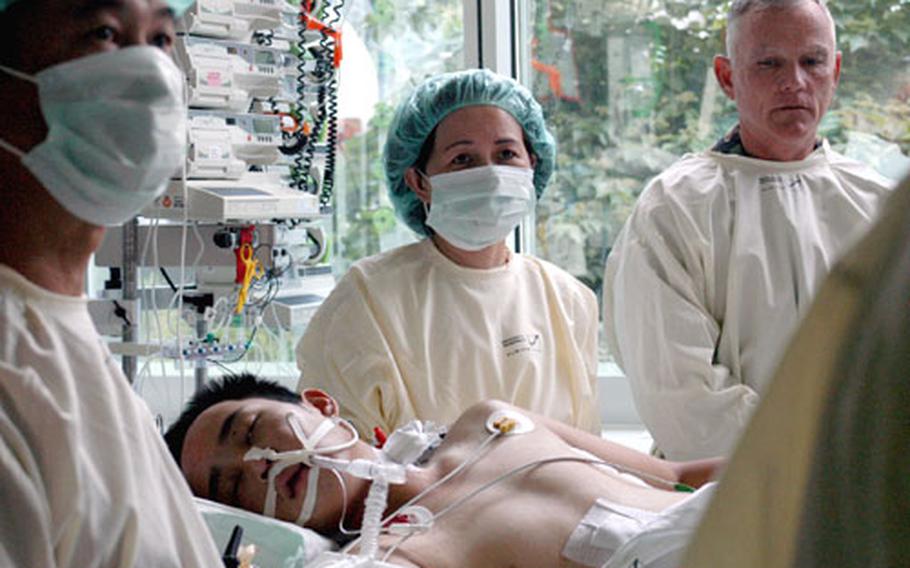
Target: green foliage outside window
x: 409, y: 40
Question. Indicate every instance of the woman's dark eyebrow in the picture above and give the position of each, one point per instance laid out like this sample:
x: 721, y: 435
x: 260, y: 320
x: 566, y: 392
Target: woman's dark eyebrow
x: 468, y: 143
x: 457, y: 143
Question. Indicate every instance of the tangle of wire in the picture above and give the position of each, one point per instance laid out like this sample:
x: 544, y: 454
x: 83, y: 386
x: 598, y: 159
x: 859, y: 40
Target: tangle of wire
x: 272, y: 285
x: 326, y: 112
x: 522, y: 468
x: 478, y: 453
x: 328, y: 178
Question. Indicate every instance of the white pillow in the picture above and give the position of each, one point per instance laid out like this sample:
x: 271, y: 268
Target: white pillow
x: 278, y: 544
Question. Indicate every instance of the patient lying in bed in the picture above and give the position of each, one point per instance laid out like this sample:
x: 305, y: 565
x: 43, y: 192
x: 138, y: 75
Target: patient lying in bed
x: 487, y: 497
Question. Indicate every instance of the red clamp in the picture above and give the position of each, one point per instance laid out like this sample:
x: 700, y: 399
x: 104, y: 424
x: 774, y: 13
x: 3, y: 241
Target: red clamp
x: 246, y: 238
x: 312, y: 23
x: 380, y: 437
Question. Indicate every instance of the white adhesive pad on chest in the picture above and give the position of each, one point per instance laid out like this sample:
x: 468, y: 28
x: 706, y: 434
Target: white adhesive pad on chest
x: 509, y: 422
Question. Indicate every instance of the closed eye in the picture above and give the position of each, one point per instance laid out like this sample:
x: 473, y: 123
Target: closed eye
x: 249, y: 432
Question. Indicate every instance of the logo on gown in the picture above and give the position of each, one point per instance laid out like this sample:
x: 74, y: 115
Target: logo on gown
x: 523, y: 343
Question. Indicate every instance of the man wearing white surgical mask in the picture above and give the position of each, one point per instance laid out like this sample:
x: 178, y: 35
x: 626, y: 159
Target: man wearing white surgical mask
x: 426, y: 330
x: 725, y: 250
x: 91, y: 128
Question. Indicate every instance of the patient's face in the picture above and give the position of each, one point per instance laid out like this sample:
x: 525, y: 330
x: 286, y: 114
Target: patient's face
x: 212, y: 458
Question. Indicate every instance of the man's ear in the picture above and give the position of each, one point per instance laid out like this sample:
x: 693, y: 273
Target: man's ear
x: 723, y: 71
x: 837, y: 60
x: 321, y: 400
x: 418, y: 184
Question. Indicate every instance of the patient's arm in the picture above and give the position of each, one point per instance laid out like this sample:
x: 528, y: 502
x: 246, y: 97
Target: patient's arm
x: 693, y: 473
x: 698, y: 472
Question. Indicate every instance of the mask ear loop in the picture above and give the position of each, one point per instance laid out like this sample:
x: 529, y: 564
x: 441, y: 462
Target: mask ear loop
x: 11, y: 149
x: 25, y: 77
x: 18, y: 74
x: 426, y: 208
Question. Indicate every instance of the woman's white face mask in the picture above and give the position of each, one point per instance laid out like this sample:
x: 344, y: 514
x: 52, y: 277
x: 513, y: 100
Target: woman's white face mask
x: 116, y: 131
x: 478, y: 207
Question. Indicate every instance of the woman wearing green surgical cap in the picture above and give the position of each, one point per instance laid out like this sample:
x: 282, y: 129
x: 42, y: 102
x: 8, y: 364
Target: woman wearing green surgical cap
x: 426, y: 330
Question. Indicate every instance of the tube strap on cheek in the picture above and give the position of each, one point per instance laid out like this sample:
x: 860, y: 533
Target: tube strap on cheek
x: 309, y: 502
x: 271, y: 495
x: 310, y: 443
x: 305, y: 456
x: 287, y: 459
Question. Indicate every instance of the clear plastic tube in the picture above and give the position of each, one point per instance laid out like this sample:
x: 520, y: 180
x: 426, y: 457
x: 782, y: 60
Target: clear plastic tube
x: 372, y: 517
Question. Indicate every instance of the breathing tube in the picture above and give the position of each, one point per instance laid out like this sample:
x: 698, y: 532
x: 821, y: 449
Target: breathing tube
x: 403, y: 448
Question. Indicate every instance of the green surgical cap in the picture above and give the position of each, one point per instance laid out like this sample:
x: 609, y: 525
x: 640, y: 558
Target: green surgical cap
x: 178, y: 6
x: 432, y: 101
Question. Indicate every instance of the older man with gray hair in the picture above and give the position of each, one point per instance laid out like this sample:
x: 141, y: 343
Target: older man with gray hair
x: 724, y: 250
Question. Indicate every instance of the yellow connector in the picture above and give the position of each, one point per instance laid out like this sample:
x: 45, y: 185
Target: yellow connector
x: 505, y: 424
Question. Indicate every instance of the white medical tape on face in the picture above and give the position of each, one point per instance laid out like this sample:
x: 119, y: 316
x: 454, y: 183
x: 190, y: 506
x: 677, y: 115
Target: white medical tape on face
x: 309, y: 501
x: 271, y: 495
x: 295, y: 457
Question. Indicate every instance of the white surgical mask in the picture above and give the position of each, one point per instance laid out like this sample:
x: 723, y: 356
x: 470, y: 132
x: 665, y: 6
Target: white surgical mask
x: 116, y: 131
x: 478, y: 207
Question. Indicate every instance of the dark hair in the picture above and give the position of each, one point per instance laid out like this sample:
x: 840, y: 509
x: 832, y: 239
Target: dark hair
x: 229, y: 387
x: 426, y: 149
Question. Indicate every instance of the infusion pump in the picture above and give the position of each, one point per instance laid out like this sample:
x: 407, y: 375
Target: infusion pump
x: 233, y: 19
x: 228, y: 75
x: 225, y: 145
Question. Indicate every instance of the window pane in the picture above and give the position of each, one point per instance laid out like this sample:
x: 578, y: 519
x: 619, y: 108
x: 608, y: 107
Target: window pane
x: 628, y: 87
x: 389, y: 46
